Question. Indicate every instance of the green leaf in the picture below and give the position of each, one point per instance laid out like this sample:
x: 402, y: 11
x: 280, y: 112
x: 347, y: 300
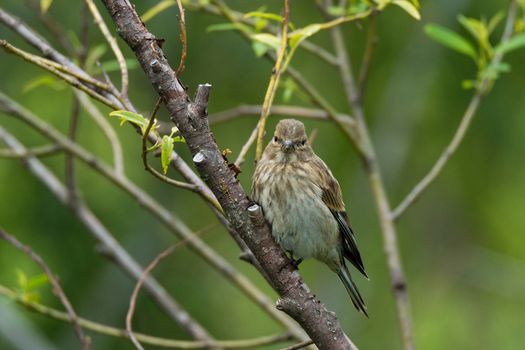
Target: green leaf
x: 494, y: 21
x: 167, y: 149
x: 450, y: 39
x: 225, y: 26
x: 21, y: 279
x: 301, y: 34
x: 259, y: 48
x: 260, y: 24
x: 44, y: 80
x: 468, y: 84
x: 266, y: 15
x: 475, y: 27
x: 514, y: 43
x: 409, y: 8
x: 267, y: 39
x: 336, y: 10
x: 45, y: 5
x: 155, y: 10
x: 133, y: 118
x: 94, y: 55
x: 180, y: 139
x: 37, y: 281
x: 289, y: 88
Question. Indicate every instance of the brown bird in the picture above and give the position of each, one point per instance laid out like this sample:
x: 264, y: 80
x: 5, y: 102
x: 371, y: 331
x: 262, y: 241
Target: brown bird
x: 302, y: 201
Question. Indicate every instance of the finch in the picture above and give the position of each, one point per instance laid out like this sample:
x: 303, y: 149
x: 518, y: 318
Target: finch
x: 302, y: 201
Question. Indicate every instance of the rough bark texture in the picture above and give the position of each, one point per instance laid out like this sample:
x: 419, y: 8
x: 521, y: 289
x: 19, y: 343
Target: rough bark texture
x: 191, y: 118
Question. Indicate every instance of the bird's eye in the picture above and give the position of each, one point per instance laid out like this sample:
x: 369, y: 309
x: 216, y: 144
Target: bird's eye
x: 276, y: 139
x: 303, y: 142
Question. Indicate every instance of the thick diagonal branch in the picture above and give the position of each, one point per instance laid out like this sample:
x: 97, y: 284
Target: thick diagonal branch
x: 191, y: 119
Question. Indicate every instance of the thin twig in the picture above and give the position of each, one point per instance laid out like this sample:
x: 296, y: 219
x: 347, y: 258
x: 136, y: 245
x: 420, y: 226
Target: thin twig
x: 144, y: 153
x: 241, y: 158
x: 274, y: 82
x: 144, y: 338
x: 367, y: 56
x: 284, y: 110
x: 346, y: 124
x: 57, y: 289
x: 40, y: 151
x: 112, y: 41
x: 371, y: 166
x: 133, y: 300
x: 239, y: 17
x: 106, y: 128
x: 167, y: 218
x: 463, y: 127
x: 70, y: 159
x: 183, y: 38
x: 300, y: 345
x: 43, y: 63
x: 34, y: 39
x: 110, y: 247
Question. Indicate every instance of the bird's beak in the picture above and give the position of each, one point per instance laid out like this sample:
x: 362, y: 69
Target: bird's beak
x: 287, y: 144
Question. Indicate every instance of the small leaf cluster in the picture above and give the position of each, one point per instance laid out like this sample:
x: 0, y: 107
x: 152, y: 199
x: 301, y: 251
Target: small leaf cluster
x: 27, y: 288
x: 166, y: 142
x: 482, y: 51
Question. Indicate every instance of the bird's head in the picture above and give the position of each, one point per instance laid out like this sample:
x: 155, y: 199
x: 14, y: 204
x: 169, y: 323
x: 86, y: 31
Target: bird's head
x: 290, y: 141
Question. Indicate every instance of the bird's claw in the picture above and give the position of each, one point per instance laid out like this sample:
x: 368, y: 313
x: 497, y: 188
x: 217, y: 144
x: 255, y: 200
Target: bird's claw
x: 293, y: 261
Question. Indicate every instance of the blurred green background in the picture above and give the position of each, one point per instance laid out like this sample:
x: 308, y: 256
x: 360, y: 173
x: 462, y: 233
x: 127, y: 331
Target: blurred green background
x: 462, y: 243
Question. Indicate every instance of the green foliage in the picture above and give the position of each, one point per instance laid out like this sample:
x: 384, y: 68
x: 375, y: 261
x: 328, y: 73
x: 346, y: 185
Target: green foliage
x: 450, y: 39
x: 167, y: 148
x: 166, y: 143
x: 408, y: 7
x: 133, y: 118
x: 44, y: 80
x: 514, y: 43
x: 158, y: 8
x: 27, y: 288
x: 480, y: 30
x: 45, y: 5
x: 360, y: 6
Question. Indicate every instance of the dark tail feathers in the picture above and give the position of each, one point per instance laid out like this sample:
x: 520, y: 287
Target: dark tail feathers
x: 351, y: 288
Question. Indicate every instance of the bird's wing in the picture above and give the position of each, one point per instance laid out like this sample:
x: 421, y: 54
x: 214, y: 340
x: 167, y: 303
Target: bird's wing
x: 333, y: 199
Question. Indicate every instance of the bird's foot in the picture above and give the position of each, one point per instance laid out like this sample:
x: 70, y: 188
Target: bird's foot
x: 295, y: 262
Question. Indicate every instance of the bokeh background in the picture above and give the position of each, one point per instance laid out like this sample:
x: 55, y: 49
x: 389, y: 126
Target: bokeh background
x: 462, y: 243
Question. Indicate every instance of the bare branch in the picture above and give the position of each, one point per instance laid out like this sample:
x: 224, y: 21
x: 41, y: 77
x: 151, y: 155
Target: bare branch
x: 112, y: 41
x: 274, y: 82
x: 111, y: 248
x: 239, y: 17
x: 255, y: 110
x: 183, y: 38
x: 57, y: 289
x: 34, y: 39
x: 71, y: 184
x: 140, y: 282
x: 170, y: 220
x: 107, y: 130
x: 144, y: 338
x: 301, y: 345
x: 71, y: 79
x: 371, y: 166
x: 367, y: 56
x: 41, y: 151
x: 246, y: 146
x: 463, y: 127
